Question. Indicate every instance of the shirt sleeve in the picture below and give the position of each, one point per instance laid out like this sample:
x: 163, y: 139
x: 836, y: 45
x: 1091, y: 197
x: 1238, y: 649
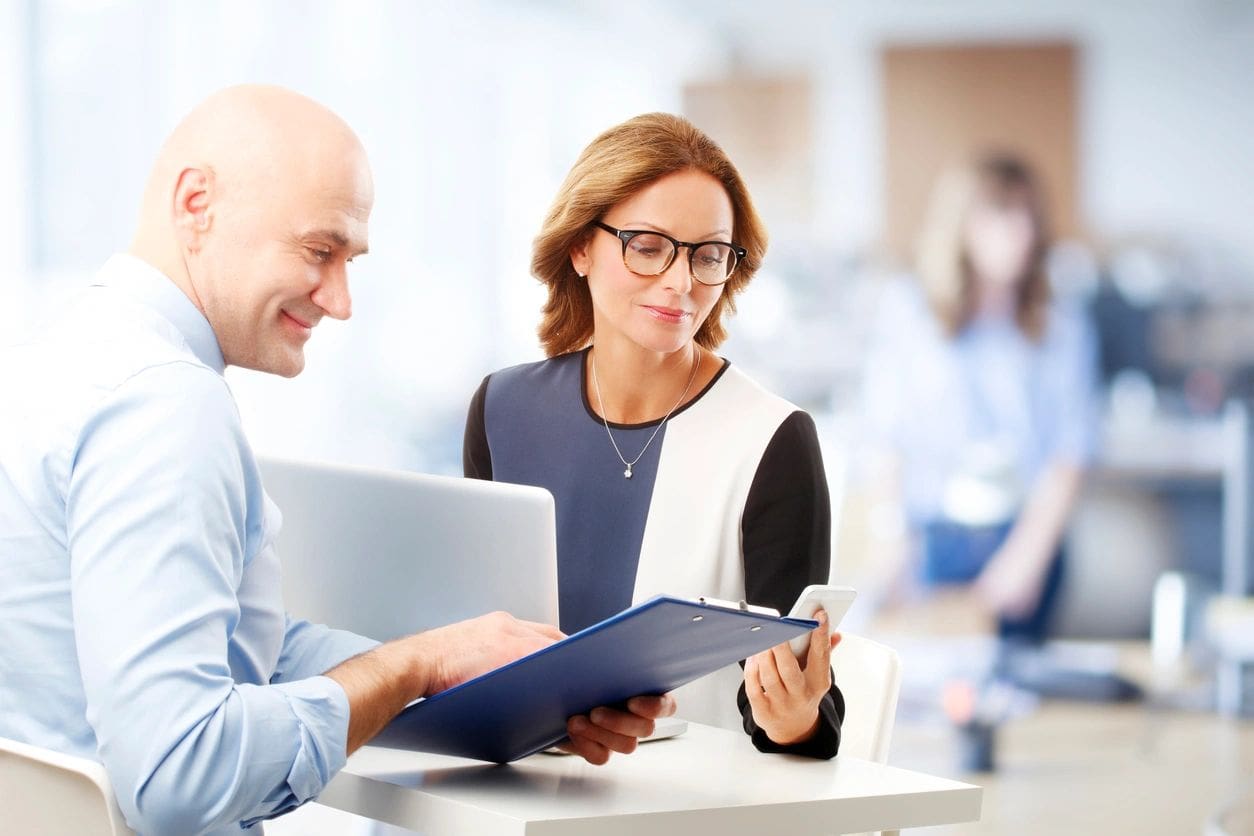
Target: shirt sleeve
x: 157, y: 523
x: 786, y: 533
x: 1072, y: 368
x: 311, y: 649
x: 476, y: 456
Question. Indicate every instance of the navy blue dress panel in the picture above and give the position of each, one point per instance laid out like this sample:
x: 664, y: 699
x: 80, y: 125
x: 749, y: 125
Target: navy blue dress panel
x: 541, y: 431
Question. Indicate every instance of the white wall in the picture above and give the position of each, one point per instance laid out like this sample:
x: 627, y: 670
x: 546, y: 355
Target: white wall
x: 14, y: 154
x: 1167, y: 120
x: 473, y: 111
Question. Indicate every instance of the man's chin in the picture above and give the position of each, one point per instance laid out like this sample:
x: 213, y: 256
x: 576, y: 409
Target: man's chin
x: 288, y: 366
x: 291, y: 366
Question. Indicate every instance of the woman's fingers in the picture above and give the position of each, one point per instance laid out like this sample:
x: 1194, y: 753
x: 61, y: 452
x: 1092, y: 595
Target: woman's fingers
x: 788, y: 668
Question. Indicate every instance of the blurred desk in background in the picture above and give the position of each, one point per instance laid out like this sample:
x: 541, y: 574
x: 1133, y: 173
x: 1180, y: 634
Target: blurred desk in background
x: 1097, y: 768
x: 1071, y: 767
x: 1164, y: 447
x: 1218, y: 449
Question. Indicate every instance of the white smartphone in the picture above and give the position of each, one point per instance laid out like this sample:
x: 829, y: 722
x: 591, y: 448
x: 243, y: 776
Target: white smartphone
x: 834, y: 600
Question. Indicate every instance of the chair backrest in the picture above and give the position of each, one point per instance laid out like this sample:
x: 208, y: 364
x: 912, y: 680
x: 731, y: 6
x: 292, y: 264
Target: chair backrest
x: 869, y: 676
x: 53, y: 794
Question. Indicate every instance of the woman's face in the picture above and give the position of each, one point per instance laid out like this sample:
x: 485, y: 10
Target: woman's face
x: 999, y: 238
x: 657, y: 313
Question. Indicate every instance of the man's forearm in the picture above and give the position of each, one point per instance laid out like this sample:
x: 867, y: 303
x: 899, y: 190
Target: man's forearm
x: 381, y: 682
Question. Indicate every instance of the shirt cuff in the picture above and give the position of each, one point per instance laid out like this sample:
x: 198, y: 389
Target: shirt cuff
x: 321, y: 710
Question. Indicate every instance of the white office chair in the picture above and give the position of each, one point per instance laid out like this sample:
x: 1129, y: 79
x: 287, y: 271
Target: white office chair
x: 869, y: 676
x: 52, y: 794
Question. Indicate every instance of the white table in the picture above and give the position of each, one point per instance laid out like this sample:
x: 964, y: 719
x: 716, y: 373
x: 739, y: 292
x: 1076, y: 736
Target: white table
x: 707, y: 780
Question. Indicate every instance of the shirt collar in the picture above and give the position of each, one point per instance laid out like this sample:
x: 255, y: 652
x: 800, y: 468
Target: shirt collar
x: 158, y: 291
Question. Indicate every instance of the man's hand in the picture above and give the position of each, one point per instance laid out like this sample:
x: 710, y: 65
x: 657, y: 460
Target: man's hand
x: 602, y: 731
x: 783, y: 694
x: 383, y: 681
x: 469, y: 648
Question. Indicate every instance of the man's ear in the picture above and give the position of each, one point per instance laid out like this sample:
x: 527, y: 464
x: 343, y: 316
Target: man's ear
x: 191, y: 210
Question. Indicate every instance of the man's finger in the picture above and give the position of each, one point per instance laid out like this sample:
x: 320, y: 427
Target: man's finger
x: 544, y: 629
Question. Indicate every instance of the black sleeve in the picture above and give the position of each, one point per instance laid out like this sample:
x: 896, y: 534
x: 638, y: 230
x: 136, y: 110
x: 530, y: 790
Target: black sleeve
x: 476, y: 457
x: 786, y: 532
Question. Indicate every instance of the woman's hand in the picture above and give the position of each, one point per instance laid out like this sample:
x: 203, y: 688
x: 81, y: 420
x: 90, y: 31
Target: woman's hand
x: 602, y: 731
x: 784, y: 694
x: 1012, y: 581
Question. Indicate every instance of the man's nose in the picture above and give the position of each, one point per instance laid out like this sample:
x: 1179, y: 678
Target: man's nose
x: 333, y: 296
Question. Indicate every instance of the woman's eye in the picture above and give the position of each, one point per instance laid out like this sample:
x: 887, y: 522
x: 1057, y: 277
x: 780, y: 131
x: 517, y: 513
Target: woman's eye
x: 645, y: 248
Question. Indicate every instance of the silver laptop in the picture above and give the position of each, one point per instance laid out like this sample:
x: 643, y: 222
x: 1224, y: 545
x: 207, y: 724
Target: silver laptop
x: 386, y: 553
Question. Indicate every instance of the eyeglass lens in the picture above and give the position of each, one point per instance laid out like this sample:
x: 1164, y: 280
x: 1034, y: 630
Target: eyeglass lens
x: 650, y: 254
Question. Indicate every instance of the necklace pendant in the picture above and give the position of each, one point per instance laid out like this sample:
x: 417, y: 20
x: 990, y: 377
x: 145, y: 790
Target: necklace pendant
x: 627, y: 472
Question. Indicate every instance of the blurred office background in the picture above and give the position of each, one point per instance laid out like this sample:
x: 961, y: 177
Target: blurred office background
x: 1139, y: 115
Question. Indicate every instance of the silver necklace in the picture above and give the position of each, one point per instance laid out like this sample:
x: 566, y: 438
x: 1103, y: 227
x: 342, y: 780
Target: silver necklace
x: 696, y: 363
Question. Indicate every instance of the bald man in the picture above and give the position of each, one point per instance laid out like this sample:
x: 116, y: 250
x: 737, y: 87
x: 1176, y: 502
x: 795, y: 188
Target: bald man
x: 140, y: 604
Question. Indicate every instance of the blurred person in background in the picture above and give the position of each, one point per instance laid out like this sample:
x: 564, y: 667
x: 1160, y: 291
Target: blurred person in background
x: 672, y: 470
x: 979, y: 402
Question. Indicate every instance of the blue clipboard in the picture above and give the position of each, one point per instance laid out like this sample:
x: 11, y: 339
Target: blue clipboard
x: 521, y: 708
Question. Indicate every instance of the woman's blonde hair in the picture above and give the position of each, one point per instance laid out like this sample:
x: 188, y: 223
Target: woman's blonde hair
x: 943, y: 262
x: 616, y: 165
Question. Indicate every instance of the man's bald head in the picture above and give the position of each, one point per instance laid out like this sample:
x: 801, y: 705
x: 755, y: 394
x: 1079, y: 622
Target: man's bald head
x: 255, y: 204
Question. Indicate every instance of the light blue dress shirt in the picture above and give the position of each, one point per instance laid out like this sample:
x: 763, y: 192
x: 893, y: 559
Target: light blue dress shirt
x: 141, y: 620
x: 928, y: 398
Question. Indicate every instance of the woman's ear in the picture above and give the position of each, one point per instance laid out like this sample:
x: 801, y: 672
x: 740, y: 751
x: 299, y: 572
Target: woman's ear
x: 581, y: 257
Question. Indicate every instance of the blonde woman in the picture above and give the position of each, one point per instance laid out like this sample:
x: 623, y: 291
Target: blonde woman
x: 672, y: 470
x: 980, y: 397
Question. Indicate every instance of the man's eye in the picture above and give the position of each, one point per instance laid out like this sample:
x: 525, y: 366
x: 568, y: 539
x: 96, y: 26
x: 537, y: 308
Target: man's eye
x: 320, y: 255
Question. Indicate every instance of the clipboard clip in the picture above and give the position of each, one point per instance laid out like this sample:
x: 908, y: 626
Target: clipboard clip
x: 742, y: 605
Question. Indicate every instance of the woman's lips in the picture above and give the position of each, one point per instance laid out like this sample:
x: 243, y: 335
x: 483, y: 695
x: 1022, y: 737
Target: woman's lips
x: 673, y: 315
